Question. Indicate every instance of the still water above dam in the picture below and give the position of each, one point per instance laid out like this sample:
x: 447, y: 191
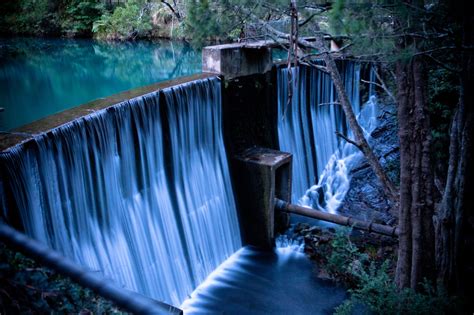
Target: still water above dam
x: 40, y: 77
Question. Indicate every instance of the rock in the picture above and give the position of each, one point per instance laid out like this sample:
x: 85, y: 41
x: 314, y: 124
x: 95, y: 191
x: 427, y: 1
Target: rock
x: 322, y: 274
x: 300, y: 227
x: 365, y: 199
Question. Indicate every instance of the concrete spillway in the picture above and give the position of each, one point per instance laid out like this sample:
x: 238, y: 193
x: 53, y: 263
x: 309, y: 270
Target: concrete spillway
x: 98, y: 191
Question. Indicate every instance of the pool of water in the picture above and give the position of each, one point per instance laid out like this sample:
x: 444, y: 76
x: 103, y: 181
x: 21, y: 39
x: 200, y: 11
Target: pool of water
x: 40, y: 77
x: 283, y: 281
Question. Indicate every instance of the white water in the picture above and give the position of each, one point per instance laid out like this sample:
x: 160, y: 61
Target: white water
x: 97, y: 191
x: 311, y: 121
x: 334, y: 181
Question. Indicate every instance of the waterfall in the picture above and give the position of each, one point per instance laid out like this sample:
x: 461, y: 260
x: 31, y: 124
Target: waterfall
x: 107, y: 192
x: 307, y: 128
x: 294, y: 130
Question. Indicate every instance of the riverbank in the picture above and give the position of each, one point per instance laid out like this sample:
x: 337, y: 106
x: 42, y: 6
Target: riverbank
x: 364, y: 264
x: 106, y: 20
x: 86, y: 19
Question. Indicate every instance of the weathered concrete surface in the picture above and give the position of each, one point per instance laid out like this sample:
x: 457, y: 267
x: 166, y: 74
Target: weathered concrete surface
x: 250, y: 113
x: 27, y: 132
x: 235, y: 60
x: 260, y: 175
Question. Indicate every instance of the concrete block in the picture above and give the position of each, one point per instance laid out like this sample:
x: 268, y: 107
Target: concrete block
x: 261, y: 174
x: 234, y: 60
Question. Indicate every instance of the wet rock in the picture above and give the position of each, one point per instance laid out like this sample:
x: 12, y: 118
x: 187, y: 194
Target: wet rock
x: 324, y: 275
x: 365, y: 198
x: 299, y: 227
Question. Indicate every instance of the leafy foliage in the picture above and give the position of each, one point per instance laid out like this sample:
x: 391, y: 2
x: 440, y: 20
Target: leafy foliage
x: 27, y: 287
x: 374, y: 287
x: 80, y: 15
x: 126, y: 22
x: 345, y: 258
x: 443, y: 95
x: 31, y: 17
x: 206, y: 21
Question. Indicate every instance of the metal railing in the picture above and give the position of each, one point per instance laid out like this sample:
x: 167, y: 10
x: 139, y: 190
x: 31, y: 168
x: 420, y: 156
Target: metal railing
x: 128, y: 300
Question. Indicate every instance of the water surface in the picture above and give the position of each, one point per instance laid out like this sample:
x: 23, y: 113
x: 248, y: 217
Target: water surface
x: 256, y: 282
x: 40, y: 77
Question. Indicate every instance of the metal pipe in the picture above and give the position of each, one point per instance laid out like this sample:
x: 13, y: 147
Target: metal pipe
x: 337, y: 219
x: 128, y: 300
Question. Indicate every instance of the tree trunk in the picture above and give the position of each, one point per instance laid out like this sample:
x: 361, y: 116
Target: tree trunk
x: 416, y: 240
x: 455, y: 219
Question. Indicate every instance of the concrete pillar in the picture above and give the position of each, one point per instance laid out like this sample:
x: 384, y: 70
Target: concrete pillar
x: 235, y: 60
x: 260, y: 175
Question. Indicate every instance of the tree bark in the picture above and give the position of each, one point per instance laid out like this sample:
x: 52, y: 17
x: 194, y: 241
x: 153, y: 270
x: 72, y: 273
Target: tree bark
x: 455, y: 218
x: 404, y: 96
x: 416, y: 240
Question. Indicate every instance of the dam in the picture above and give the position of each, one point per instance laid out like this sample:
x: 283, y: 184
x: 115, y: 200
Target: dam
x: 159, y: 188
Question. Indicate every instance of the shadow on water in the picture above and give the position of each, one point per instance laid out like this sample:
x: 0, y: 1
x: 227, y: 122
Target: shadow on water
x: 257, y: 282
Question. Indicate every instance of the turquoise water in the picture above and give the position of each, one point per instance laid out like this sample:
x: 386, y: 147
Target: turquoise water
x: 40, y: 77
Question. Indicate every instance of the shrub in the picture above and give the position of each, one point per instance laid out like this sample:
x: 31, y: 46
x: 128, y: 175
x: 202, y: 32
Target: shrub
x: 29, y: 288
x: 32, y: 17
x: 374, y: 288
x: 79, y: 17
x: 126, y: 22
x: 345, y: 258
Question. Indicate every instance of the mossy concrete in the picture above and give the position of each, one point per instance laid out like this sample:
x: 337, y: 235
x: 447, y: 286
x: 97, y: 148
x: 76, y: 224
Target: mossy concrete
x: 44, y: 125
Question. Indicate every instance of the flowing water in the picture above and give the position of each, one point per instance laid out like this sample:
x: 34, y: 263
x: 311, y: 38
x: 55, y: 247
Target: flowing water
x: 98, y: 191
x: 141, y: 192
x: 251, y: 281
x: 307, y: 127
x: 40, y: 77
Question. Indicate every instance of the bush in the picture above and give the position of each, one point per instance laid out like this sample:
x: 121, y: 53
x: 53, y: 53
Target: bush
x: 374, y: 288
x: 32, y: 17
x: 345, y: 259
x: 130, y: 21
x: 28, y: 288
x: 79, y: 17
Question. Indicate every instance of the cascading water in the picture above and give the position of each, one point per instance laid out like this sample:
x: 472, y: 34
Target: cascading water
x: 294, y: 131
x: 334, y: 181
x: 201, y: 176
x: 311, y: 121
x: 96, y: 189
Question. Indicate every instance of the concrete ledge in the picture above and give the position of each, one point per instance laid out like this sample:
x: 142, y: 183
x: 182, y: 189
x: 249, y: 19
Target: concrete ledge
x: 27, y: 132
x: 234, y: 60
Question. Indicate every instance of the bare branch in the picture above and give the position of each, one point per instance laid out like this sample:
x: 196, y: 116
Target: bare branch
x: 340, y: 135
x: 426, y: 52
x: 329, y: 103
x: 310, y: 18
x: 443, y: 65
x: 175, y: 12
